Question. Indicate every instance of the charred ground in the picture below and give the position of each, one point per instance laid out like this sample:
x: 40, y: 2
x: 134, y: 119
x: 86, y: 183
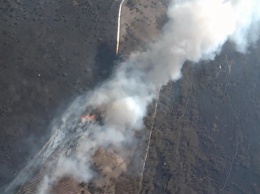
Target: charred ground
x: 206, y: 131
x: 51, y: 51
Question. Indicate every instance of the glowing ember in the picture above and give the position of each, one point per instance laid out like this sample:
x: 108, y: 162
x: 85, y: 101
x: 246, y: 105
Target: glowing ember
x: 87, y: 118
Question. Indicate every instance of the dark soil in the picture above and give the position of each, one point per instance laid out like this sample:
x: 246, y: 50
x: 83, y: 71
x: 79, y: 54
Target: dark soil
x: 206, y: 136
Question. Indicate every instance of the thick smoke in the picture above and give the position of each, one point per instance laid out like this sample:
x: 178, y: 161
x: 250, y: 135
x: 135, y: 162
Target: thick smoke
x: 196, y: 30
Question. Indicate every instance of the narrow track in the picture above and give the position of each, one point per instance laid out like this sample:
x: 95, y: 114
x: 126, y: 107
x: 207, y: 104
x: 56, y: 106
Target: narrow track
x: 149, y: 140
x: 119, y: 26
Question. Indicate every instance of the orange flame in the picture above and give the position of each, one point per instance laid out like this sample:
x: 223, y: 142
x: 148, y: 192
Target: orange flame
x: 87, y: 118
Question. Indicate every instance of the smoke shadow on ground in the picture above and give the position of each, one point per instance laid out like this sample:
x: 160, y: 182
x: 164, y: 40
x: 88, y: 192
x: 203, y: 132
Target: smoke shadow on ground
x: 104, y: 60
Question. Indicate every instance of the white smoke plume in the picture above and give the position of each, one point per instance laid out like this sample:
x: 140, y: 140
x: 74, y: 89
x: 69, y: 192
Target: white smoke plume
x: 196, y: 30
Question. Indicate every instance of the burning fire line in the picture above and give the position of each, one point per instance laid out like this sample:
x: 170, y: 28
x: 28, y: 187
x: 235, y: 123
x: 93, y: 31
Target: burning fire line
x: 87, y: 118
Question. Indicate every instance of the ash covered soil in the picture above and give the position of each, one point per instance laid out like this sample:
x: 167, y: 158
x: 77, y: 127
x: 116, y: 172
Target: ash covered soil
x: 51, y: 52
x: 206, y: 136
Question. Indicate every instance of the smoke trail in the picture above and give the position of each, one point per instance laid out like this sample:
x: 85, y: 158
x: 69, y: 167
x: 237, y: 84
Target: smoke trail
x: 196, y: 30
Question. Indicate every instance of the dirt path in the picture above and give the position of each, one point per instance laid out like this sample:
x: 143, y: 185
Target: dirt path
x: 119, y: 26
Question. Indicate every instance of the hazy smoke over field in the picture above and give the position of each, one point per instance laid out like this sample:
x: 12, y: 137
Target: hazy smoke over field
x: 196, y: 30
